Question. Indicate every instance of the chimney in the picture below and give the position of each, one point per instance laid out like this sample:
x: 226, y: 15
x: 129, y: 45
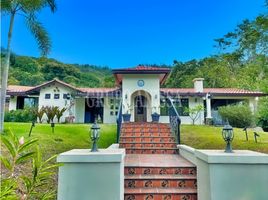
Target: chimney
x: 198, y: 84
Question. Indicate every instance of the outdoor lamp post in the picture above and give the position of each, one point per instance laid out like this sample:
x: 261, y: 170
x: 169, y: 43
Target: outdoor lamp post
x: 228, y: 136
x: 95, y: 134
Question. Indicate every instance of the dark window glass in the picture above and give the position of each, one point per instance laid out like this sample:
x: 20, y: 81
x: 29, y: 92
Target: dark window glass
x: 64, y: 96
x: 47, y: 96
x: 56, y: 96
x: 180, y: 104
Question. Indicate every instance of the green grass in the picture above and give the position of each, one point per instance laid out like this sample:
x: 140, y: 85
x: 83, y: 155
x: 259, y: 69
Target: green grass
x: 209, y: 137
x: 65, y: 136
x: 73, y: 136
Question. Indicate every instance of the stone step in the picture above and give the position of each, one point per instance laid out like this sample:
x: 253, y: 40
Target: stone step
x: 146, y: 145
x: 146, y: 134
x: 162, y: 181
x: 151, y: 150
x: 146, y: 170
x: 160, y: 194
x: 152, y: 139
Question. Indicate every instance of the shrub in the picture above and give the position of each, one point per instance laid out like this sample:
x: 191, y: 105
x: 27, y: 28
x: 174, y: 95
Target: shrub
x: 194, y: 113
x: 18, y: 183
x: 238, y: 115
x: 25, y: 115
x: 262, y: 118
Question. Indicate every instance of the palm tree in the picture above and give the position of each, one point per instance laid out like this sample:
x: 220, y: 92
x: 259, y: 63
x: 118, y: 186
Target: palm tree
x: 28, y: 9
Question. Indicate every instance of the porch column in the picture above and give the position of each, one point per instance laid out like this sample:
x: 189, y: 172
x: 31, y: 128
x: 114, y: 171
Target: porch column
x: 208, y: 103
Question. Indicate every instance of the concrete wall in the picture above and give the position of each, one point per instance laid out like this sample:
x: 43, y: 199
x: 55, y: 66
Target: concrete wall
x: 91, y: 176
x: 242, y: 175
x: 151, y: 87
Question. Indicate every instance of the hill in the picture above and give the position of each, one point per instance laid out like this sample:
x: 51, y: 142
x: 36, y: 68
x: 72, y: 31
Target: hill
x: 25, y: 70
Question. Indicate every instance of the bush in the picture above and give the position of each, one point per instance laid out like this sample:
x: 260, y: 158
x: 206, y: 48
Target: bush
x: 25, y: 175
x: 25, y: 115
x: 238, y: 115
x: 263, y: 114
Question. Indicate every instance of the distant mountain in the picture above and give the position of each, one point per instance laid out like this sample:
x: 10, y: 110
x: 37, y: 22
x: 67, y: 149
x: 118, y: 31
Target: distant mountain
x: 25, y: 70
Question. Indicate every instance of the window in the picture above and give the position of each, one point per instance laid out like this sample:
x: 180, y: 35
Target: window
x: 56, y: 96
x: 180, y: 105
x: 66, y: 96
x: 47, y: 96
x: 114, y: 106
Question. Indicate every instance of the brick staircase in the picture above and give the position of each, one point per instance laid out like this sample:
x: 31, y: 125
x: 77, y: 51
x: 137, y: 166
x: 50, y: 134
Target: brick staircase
x: 147, y: 138
x: 153, y: 168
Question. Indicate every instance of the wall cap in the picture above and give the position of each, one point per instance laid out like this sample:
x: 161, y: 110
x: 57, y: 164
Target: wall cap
x: 238, y: 157
x: 85, y: 156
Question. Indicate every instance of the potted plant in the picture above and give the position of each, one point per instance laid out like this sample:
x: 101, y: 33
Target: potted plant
x: 155, y: 115
x: 127, y: 115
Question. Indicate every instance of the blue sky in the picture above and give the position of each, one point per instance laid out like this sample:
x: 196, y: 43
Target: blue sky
x: 125, y: 33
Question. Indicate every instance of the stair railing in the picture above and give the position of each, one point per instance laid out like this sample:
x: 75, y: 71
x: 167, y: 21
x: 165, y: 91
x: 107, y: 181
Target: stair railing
x: 119, y: 119
x: 174, y: 119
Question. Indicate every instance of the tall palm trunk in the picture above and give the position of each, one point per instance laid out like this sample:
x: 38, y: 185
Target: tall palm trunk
x: 4, y: 75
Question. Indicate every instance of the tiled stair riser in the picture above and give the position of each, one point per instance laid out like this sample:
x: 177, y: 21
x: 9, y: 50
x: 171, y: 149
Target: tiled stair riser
x: 160, y: 170
x: 161, y: 197
x: 155, y: 183
x: 162, y: 183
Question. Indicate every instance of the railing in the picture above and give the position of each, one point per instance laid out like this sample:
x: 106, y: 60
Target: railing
x: 175, y: 121
x: 119, y: 120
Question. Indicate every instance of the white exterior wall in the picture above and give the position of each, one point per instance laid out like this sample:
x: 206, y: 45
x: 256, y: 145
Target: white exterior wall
x: 151, y: 86
x: 107, y: 118
x: 56, y: 102
x: 13, y: 103
x: 80, y: 110
x: 193, y: 101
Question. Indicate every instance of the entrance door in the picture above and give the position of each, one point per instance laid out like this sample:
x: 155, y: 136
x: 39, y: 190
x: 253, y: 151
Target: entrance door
x: 140, y: 109
x: 93, y: 110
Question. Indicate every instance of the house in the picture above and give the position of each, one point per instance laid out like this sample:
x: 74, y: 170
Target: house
x: 138, y: 91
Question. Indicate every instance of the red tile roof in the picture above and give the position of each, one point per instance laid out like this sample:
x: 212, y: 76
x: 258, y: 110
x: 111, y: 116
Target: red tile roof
x: 22, y: 90
x: 18, y: 88
x: 146, y: 68
x: 215, y: 91
x: 98, y: 90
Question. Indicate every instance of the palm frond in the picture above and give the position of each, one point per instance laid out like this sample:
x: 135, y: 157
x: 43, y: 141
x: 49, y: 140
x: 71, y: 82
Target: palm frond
x: 40, y: 34
x: 6, y: 6
x: 52, y: 5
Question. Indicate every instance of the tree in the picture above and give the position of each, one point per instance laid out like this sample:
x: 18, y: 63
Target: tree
x: 194, y: 113
x: 59, y: 113
x: 28, y: 9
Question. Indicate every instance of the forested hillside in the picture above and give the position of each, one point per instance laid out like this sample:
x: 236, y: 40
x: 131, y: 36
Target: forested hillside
x: 25, y: 70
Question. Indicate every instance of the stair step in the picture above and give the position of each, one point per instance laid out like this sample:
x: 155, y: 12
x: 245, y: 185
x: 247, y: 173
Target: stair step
x: 147, y: 139
x: 149, y: 134
x: 159, y: 176
x: 147, y: 145
x: 185, y: 171
x: 151, y: 150
x: 160, y: 191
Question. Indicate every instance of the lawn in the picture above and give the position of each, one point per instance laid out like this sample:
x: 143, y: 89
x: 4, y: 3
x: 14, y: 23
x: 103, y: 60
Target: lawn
x: 209, y: 137
x: 65, y: 136
x: 71, y: 136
